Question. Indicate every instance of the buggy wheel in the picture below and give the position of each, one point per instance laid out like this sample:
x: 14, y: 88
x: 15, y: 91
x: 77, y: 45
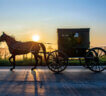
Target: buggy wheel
x: 96, y: 59
x: 57, y: 61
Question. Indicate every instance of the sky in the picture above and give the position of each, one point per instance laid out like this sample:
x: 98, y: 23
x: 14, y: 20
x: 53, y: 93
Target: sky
x: 24, y: 18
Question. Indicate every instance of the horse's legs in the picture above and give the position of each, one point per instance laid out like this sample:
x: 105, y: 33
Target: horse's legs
x: 13, y: 56
x: 14, y: 62
x: 36, y: 62
x: 10, y: 59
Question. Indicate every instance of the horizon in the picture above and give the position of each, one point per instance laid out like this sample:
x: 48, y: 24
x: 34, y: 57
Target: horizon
x: 25, y: 18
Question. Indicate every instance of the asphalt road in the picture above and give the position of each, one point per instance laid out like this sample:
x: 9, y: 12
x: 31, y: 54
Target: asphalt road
x: 74, y: 81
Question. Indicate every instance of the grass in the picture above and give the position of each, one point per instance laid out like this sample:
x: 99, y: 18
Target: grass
x: 31, y: 62
x: 26, y: 62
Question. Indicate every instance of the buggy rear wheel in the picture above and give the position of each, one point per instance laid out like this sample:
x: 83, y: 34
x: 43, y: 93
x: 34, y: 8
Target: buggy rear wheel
x: 57, y: 61
x: 96, y: 59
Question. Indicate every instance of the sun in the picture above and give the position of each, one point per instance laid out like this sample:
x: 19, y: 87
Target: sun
x: 35, y: 38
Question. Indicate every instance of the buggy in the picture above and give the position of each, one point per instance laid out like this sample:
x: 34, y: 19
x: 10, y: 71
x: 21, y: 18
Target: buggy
x: 75, y: 43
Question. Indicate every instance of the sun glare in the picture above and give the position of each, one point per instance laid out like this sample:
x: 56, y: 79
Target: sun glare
x: 35, y: 38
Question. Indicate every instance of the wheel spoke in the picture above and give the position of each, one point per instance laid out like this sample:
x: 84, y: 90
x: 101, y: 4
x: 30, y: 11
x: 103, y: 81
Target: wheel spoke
x: 100, y: 54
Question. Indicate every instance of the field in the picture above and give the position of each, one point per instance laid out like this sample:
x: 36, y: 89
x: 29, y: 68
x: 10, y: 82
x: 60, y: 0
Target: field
x: 31, y: 62
x: 26, y: 62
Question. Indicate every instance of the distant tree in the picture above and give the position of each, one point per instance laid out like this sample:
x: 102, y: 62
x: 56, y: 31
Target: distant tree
x: 49, y: 48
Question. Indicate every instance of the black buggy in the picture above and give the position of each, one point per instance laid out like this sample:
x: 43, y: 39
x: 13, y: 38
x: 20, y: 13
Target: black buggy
x: 75, y: 43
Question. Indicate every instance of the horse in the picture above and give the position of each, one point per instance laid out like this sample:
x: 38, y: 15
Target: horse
x: 20, y: 48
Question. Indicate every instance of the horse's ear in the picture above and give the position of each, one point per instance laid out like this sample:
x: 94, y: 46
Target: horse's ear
x: 3, y: 32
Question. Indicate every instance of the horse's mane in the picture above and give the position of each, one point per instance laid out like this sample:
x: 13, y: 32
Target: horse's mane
x: 11, y: 37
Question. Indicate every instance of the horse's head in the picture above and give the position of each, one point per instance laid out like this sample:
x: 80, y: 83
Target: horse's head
x: 3, y: 37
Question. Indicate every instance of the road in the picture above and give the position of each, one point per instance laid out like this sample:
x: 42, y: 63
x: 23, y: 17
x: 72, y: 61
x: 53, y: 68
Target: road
x: 74, y: 81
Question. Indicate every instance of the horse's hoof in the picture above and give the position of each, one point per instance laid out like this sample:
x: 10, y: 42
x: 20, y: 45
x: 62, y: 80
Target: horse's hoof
x: 11, y: 69
x: 33, y: 68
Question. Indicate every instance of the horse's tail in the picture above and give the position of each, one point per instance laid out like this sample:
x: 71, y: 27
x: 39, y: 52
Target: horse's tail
x: 44, y: 51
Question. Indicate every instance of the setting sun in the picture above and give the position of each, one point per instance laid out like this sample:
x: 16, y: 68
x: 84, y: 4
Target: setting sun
x: 35, y: 37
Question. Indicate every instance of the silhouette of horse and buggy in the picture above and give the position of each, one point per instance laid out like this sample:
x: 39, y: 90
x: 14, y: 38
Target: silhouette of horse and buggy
x: 72, y: 43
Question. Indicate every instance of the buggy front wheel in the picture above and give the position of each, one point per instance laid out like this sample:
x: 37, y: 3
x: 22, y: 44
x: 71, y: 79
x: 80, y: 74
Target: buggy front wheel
x: 57, y: 61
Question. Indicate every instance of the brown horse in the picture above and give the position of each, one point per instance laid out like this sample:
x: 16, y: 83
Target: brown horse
x: 19, y: 48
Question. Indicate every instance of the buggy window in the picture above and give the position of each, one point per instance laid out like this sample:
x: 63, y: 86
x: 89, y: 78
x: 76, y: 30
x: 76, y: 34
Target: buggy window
x: 76, y: 35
